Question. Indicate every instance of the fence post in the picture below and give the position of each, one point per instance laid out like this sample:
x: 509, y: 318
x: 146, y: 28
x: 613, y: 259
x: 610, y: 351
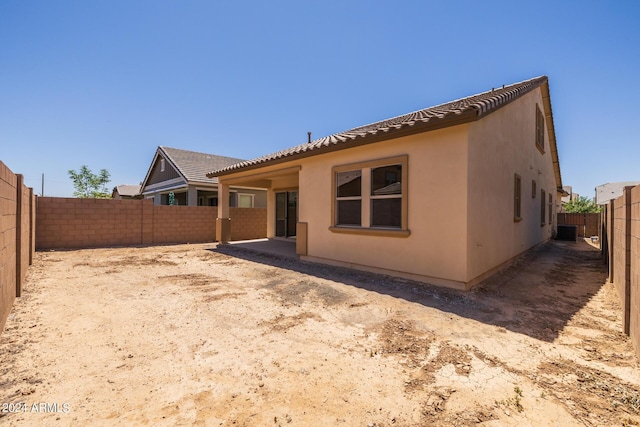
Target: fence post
x: 604, y: 237
x: 612, y: 240
x: 627, y: 260
x: 19, y: 242
x: 32, y: 225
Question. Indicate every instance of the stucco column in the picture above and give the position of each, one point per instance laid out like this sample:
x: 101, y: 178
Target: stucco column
x: 192, y: 196
x: 223, y: 222
x: 271, y: 213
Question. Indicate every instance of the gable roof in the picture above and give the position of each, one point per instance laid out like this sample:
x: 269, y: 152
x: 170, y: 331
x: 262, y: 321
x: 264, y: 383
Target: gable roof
x: 128, y: 189
x: 452, y: 113
x: 191, y: 165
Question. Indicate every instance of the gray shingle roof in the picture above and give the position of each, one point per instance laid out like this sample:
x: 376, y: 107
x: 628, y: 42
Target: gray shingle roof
x: 194, y: 166
x: 451, y: 113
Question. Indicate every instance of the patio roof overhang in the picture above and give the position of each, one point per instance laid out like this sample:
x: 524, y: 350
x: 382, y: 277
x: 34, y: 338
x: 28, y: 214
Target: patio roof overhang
x: 260, y: 179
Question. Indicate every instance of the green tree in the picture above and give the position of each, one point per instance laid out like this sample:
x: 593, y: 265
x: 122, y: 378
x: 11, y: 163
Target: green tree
x: 581, y: 205
x: 90, y: 185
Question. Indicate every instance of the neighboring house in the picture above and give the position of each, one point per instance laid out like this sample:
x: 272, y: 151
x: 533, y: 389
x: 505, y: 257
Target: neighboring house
x: 183, y: 173
x: 611, y: 190
x: 446, y: 195
x: 567, y: 196
x: 126, y: 191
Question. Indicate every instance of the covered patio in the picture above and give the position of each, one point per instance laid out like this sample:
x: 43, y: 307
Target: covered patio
x: 282, y: 210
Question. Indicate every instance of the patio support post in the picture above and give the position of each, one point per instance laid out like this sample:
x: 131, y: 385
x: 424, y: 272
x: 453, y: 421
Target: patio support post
x: 223, y: 222
x: 271, y: 213
x: 192, y: 196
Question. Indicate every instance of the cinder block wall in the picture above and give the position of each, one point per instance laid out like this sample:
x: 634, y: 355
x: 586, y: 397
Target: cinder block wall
x: 16, y: 237
x: 634, y: 297
x: 248, y: 223
x: 68, y: 223
x: 184, y: 224
x: 619, y: 247
x: 84, y: 223
x: 623, y: 235
x: 8, y: 183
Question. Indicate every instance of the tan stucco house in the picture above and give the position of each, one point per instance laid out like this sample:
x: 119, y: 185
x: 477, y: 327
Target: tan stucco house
x: 183, y: 174
x: 445, y: 195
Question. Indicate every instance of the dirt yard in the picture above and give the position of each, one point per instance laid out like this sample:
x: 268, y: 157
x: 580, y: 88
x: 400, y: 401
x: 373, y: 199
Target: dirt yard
x: 190, y: 335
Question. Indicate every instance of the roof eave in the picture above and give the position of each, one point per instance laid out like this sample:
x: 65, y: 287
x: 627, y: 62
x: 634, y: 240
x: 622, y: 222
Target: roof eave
x: 146, y: 177
x: 370, y: 138
x: 551, y: 131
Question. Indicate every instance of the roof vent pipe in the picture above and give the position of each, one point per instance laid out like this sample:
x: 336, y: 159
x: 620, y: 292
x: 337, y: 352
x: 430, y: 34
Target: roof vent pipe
x: 308, y: 137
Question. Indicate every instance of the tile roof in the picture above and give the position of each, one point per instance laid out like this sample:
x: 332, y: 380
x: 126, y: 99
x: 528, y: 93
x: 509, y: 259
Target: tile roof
x: 448, y: 114
x: 194, y: 165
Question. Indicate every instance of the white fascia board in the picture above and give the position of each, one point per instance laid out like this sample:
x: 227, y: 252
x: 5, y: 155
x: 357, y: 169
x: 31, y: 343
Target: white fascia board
x: 250, y: 188
x: 165, y: 185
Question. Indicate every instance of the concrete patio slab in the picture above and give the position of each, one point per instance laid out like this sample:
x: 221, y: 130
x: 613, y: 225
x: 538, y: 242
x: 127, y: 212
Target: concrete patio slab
x: 280, y: 248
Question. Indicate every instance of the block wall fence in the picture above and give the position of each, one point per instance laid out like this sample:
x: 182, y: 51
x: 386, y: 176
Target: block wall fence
x: 17, y: 237
x: 588, y: 224
x: 69, y: 223
x: 620, y: 245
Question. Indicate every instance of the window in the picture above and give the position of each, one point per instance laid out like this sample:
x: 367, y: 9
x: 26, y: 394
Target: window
x: 517, y: 198
x: 245, y: 200
x: 386, y: 196
x: 371, y: 197
x: 161, y: 165
x: 550, y: 209
x: 534, y: 190
x: 349, y: 198
x: 543, y: 201
x: 539, y: 129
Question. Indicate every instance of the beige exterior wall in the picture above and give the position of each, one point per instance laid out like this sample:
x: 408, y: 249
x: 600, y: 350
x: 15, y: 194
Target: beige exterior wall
x: 500, y: 146
x: 437, y: 178
x: 460, y: 199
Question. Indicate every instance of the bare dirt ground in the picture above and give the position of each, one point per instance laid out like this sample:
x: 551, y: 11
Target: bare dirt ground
x: 190, y: 335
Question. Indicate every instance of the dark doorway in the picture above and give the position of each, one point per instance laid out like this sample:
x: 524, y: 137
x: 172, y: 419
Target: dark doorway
x: 286, y: 213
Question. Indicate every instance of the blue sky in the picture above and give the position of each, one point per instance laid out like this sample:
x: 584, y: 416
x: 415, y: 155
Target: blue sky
x: 103, y: 83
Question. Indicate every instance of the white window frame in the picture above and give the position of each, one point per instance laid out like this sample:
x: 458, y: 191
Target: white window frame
x: 252, y: 196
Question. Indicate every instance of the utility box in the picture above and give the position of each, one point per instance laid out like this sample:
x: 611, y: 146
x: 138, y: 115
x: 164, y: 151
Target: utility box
x: 567, y: 232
